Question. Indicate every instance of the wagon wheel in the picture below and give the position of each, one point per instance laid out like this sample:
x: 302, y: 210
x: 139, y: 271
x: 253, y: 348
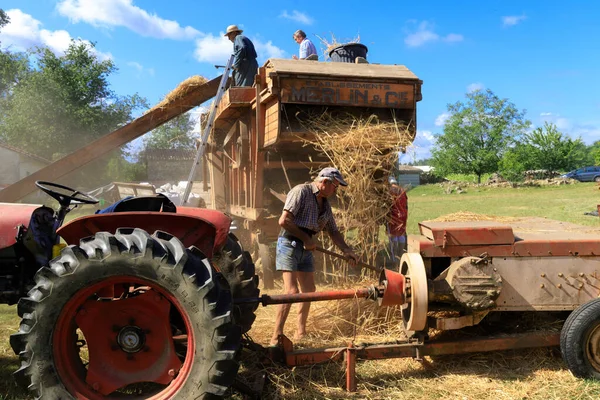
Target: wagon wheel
x: 580, y: 340
x: 151, y: 316
x: 414, y: 311
x: 237, y: 267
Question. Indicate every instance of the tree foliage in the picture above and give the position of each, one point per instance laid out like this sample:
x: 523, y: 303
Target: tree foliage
x: 52, y: 105
x: 64, y: 103
x: 544, y: 148
x: 594, y: 153
x: 4, y: 19
x: 477, y: 134
x: 174, y: 134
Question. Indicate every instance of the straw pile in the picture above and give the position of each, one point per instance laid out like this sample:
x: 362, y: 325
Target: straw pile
x: 470, y: 216
x: 181, y: 90
x: 365, y: 151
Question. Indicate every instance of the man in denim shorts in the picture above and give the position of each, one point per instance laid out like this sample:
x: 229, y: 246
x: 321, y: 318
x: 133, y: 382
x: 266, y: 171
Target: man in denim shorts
x: 305, y: 213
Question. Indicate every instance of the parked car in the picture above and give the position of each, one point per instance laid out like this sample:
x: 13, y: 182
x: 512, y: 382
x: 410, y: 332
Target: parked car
x: 586, y: 174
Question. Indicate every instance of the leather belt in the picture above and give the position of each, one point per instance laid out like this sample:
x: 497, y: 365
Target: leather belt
x: 287, y: 235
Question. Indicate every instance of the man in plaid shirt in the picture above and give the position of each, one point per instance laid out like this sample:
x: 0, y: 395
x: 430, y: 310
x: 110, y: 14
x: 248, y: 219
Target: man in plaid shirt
x: 305, y: 213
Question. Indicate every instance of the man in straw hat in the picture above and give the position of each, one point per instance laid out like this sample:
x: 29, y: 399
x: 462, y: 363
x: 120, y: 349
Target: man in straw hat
x: 245, y: 66
x: 306, y: 212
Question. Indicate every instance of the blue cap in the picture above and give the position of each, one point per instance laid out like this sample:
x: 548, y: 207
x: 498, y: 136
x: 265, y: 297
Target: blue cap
x: 392, y: 181
x: 332, y: 173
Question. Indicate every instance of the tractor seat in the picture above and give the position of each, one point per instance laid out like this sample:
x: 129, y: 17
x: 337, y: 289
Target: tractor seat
x: 156, y: 203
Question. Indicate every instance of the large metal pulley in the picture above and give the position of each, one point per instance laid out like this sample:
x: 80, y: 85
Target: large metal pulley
x: 414, y: 310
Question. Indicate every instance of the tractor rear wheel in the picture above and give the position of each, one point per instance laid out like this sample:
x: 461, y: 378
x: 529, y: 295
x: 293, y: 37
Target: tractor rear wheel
x: 580, y: 340
x: 237, y: 267
x: 127, y: 315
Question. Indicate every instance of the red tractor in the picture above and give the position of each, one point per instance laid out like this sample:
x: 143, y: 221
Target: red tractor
x: 121, y: 311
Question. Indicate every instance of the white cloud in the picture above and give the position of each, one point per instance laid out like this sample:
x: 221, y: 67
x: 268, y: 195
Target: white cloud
x: 297, y: 16
x: 23, y: 32
x: 562, y: 123
x: 421, y: 147
x: 112, y: 13
x: 213, y: 49
x: 441, y: 119
x: 217, y: 49
x: 425, y: 33
x: 267, y: 50
x: 589, y: 132
x: 512, y: 20
x: 141, y: 70
x: 453, y: 37
x: 474, y: 87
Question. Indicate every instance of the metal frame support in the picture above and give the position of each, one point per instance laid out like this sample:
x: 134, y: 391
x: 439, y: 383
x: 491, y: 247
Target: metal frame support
x: 415, y: 350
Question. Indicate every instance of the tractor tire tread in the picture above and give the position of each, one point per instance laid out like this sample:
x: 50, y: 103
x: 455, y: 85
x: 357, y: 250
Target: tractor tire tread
x: 96, y: 257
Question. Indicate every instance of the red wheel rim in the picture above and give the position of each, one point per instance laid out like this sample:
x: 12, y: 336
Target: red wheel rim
x: 125, y: 321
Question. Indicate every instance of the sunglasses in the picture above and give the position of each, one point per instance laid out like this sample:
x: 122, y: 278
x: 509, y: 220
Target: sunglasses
x: 334, y: 183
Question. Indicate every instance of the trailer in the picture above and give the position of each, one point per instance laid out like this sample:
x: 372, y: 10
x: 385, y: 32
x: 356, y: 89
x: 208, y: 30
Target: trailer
x: 258, y: 148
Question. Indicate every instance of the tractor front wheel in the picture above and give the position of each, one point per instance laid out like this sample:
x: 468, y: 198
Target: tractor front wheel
x: 580, y: 340
x: 127, y: 315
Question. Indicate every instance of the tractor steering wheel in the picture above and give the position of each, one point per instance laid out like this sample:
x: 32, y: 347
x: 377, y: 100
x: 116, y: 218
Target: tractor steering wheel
x: 64, y: 194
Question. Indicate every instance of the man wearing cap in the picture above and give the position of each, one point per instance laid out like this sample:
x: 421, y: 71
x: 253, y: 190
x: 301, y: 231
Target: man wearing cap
x: 245, y: 66
x: 305, y: 213
x: 397, y: 219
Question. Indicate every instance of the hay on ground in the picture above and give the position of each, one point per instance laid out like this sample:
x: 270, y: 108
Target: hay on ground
x: 470, y: 216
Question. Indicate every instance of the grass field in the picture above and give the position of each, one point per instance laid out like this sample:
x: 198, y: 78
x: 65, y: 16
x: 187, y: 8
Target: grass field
x: 527, y: 374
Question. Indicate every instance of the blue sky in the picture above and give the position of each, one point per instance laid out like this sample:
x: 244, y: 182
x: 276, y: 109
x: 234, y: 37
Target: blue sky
x: 543, y: 56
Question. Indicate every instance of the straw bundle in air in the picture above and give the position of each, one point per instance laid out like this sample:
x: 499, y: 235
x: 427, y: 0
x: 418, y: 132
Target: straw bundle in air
x: 365, y: 150
x: 181, y: 90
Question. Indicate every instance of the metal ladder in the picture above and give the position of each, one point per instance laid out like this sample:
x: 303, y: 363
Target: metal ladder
x: 207, y: 129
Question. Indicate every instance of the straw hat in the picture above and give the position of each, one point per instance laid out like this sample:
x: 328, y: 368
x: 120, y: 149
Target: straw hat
x: 231, y: 29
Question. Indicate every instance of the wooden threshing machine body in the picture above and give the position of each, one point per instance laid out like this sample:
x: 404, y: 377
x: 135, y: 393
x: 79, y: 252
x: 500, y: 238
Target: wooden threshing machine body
x: 257, y: 152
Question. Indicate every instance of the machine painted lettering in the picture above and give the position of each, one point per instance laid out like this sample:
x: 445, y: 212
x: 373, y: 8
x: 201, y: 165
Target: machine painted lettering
x: 348, y: 93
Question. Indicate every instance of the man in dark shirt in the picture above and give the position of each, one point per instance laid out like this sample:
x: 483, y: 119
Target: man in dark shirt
x: 245, y: 66
x: 306, y: 212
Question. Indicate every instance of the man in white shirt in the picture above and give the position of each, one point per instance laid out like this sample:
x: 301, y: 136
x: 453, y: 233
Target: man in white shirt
x: 307, y: 48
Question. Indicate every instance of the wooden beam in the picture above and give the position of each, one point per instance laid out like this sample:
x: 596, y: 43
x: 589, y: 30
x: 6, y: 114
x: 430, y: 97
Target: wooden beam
x: 111, y: 141
x: 230, y: 134
x: 296, y: 164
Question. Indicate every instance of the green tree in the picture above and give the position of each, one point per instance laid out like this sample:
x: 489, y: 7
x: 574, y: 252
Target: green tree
x: 64, y: 103
x: 514, y: 161
x: 4, y: 19
x: 549, y: 149
x: 174, y: 134
x: 544, y: 148
x: 594, y: 153
x: 477, y: 134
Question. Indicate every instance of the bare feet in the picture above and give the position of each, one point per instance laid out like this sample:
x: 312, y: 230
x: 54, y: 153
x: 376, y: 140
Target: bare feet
x: 274, y: 341
x: 299, y: 336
